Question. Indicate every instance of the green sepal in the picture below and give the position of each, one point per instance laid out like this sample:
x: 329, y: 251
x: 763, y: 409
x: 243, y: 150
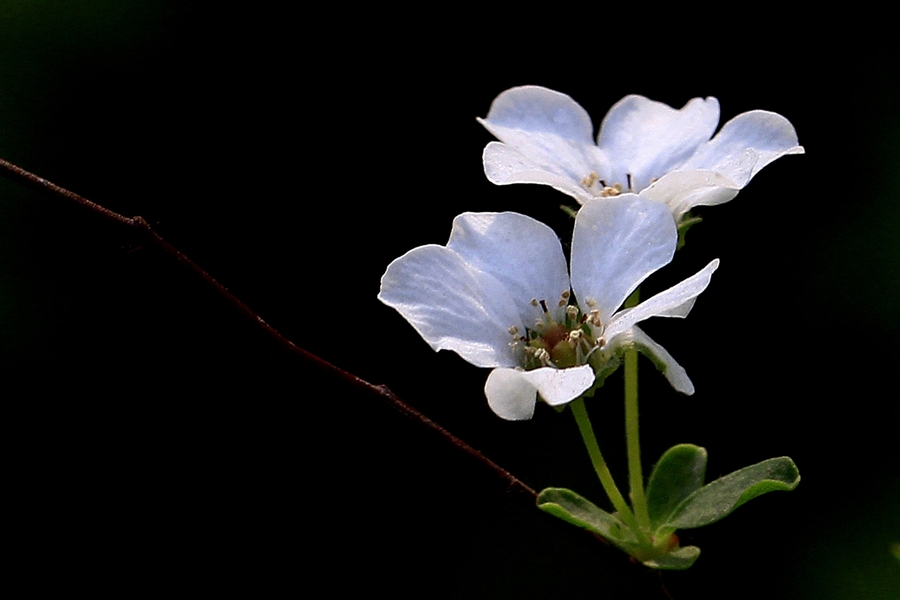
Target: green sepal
x: 718, y: 499
x: 607, y: 363
x: 604, y: 364
x: 687, y: 221
x: 572, y: 212
x: 572, y: 508
x: 679, y: 473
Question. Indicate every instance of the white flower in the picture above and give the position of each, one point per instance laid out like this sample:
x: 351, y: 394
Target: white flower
x: 498, y: 294
x: 643, y: 146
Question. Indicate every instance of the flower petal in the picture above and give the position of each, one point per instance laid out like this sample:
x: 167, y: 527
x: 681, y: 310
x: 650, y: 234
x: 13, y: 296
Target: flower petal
x: 510, y: 396
x: 560, y: 386
x: 512, y: 393
x: 683, y: 190
x: 452, y: 305
x: 673, y: 372
x: 617, y: 243
x: 746, y: 144
x: 523, y: 254
x: 504, y: 165
x: 676, y: 301
x: 548, y: 140
x: 647, y: 139
x: 537, y: 109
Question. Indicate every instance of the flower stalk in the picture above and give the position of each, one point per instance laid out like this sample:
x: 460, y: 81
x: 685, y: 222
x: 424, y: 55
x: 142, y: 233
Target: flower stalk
x: 600, y: 467
x: 632, y: 434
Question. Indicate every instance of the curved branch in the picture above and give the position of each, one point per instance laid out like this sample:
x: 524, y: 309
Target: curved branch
x: 138, y: 223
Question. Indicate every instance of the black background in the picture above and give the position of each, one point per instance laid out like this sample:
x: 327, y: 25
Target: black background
x: 156, y: 440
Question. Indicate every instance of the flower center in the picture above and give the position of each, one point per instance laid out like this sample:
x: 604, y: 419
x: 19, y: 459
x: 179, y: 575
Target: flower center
x: 567, y: 341
x: 599, y: 188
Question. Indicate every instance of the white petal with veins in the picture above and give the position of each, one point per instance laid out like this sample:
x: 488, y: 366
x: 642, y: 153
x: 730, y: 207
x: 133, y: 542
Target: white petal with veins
x: 676, y: 301
x: 617, y: 243
x: 523, y: 254
x: 452, y: 305
x: 648, y: 139
x: 504, y: 165
x: 683, y: 190
x: 512, y: 393
x: 746, y: 144
x: 673, y: 372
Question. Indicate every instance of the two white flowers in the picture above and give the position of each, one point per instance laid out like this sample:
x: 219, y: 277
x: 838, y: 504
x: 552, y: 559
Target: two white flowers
x: 499, y: 293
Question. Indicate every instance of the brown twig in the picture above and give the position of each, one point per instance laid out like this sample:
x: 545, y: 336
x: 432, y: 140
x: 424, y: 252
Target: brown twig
x: 138, y: 223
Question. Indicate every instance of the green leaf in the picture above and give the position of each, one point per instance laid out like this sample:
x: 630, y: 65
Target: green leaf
x: 572, y: 508
x: 719, y: 498
x: 679, y: 473
x: 676, y: 560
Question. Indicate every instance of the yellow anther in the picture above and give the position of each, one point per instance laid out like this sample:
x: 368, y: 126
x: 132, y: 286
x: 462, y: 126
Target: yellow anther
x: 610, y: 191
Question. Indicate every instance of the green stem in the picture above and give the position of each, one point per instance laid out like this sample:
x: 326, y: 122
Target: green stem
x: 590, y: 441
x: 632, y: 433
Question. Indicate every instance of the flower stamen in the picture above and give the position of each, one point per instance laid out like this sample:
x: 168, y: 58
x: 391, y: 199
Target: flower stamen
x: 590, y: 182
x: 610, y: 191
x: 559, y: 344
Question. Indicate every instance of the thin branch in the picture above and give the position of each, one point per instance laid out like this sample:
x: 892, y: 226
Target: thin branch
x: 32, y: 181
x: 138, y: 223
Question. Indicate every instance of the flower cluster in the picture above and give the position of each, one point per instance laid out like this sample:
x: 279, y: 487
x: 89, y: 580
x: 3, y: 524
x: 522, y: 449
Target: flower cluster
x: 499, y: 293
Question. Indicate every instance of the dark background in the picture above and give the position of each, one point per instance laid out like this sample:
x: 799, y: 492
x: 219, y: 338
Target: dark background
x: 156, y: 440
